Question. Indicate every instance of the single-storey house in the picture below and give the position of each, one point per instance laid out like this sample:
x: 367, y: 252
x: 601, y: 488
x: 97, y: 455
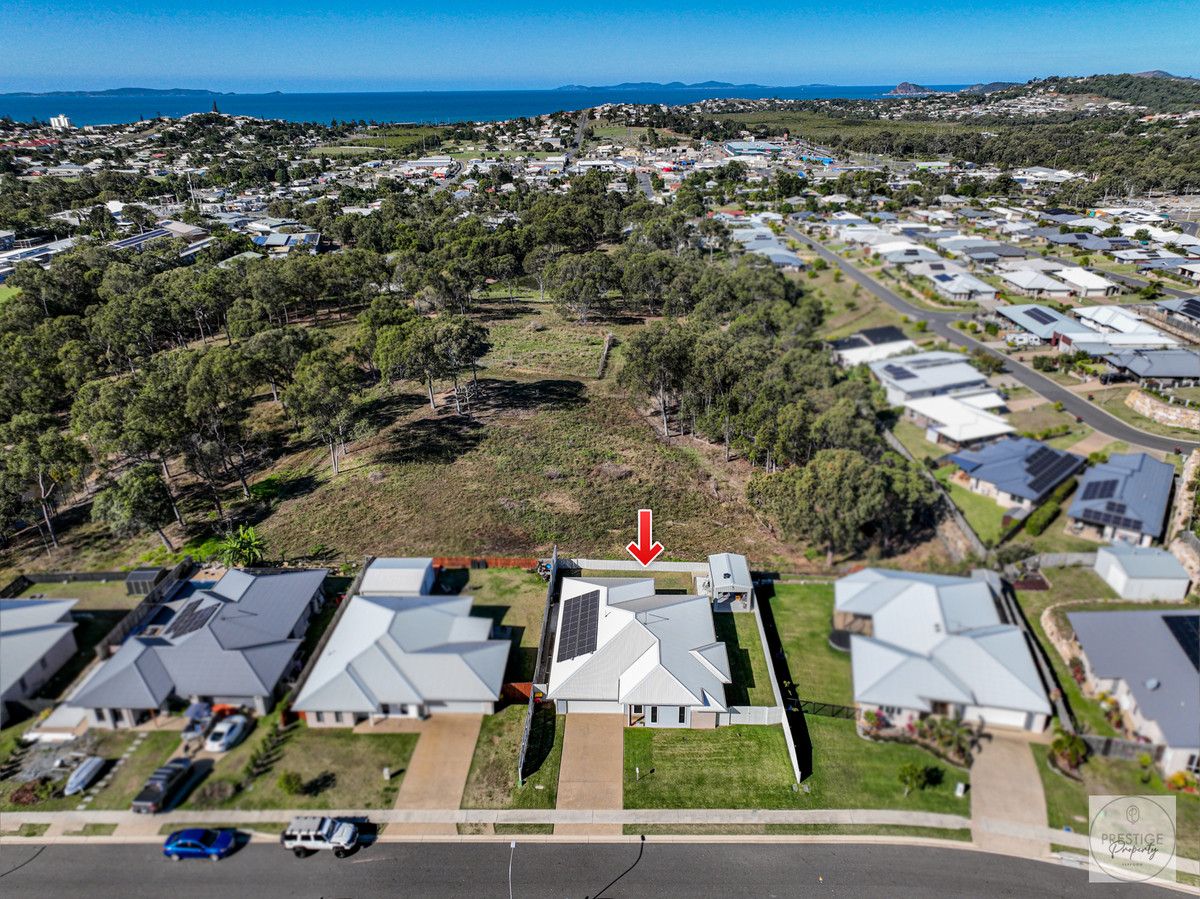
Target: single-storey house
x: 1035, y: 284
x: 231, y: 642
x: 404, y: 657
x: 1142, y: 572
x: 1160, y: 365
x: 927, y: 374
x: 1085, y: 283
x: 930, y: 644
x: 871, y: 345
x: 36, y: 639
x: 1015, y: 471
x: 955, y: 420
x: 1046, y: 324
x: 1124, y: 499
x: 620, y: 648
x: 730, y: 583
x: 1150, y: 663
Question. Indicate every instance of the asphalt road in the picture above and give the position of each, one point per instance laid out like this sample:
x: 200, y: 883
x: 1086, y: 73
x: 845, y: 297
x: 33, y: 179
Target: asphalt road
x: 941, y: 324
x: 478, y: 870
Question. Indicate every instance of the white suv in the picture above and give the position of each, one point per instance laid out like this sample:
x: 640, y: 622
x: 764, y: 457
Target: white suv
x: 306, y: 835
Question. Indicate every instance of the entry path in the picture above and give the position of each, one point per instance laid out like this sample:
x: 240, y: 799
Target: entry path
x: 941, y: 324
x: 437, y: 772
x: 1006, y: 787
x: 592, y: 772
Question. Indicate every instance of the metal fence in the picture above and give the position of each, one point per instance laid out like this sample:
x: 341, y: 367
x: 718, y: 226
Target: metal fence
x: 1116, y: 748
x: 162, y: 591
x: 827, y: 709
x: 540, y: 666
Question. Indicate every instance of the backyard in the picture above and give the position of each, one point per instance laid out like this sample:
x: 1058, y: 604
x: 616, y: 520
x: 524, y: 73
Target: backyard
x: 803, y: 616
x: 89, y: 595
x: 492, y: 782
x: 512, y: 598
x: 747, y: 660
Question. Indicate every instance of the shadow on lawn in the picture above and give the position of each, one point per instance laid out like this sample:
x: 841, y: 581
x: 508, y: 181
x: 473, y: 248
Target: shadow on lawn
x: 787, y: 687
x: 503, y: 395
x: 442, y: 440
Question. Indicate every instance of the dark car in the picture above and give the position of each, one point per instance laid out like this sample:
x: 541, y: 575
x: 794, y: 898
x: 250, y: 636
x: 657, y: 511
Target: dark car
x: 197, y: 842
x: 161, y: 786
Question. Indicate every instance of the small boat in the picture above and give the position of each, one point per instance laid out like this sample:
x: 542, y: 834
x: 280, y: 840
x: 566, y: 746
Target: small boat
x: 82, y: 776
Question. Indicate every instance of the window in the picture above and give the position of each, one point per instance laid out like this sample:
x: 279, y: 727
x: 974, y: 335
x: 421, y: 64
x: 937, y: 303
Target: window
x: 337, y: 717
x: 1193, y: 763
x: 682, y: 713
x: 654, y: 714
x: 637, y: 710
x: 319, y: 717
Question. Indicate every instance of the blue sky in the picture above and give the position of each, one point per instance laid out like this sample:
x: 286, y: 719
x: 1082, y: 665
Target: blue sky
x: 376, y: 45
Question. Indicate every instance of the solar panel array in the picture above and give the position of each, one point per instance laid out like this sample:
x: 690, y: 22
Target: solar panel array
x: 1041, y: 316
x: 1095, y: 516
x: 1186, y: 631
x: 127, y: 242
x: 1118, y: 508
x: 580, y: 619
x: 898, y: 373
x: 1099, y: 489
x: 191, y: 618
x: 1190, y: 308
x: 1050, y: 471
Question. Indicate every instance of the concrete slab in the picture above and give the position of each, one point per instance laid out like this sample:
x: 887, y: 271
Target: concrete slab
x: 592, y: 772
x: 1006, y: 787
x: 437, y: 772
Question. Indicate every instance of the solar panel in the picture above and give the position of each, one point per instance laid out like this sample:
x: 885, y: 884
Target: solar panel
x: 1041, y: 316
x: 1186, y: 631
x: 191, y: 618
x: 1190, y: 308
x: 898, y: 373
x: 1099, y: 489
x: 1052, y: 474
x: 1042, y: 458
x: 1118, y: 508
x: 580, y: 619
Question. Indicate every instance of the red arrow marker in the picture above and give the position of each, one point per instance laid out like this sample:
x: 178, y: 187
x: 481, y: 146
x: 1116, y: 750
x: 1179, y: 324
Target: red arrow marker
x: 645, y: 550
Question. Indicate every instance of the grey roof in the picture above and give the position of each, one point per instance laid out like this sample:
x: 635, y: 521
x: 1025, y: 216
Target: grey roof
x: 729, y: 572
x: 232, y: 639
x: 651, y: 649
x: 1146, y: 562
x: 1188, y: 307
x: 1140, y: 649
x: 936, y: 638
x: 1131, y: 492
x: 1178, y: 363
x: 400, y: 650
x: 1042, y: 321
x: 1019, y: 466
x: 29, y: 628
x: 937, y: 371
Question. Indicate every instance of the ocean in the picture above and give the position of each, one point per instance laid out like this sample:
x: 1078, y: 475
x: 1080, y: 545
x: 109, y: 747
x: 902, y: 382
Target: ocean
x: 397, y: 106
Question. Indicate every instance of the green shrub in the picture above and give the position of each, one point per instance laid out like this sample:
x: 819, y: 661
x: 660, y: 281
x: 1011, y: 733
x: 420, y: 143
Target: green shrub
x: 1041, y: 518
x: 1063, y: 490
x: 291, y: 783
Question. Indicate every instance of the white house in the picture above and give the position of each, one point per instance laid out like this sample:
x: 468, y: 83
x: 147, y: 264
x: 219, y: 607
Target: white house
x: 927, y: 374
x: 36, y: 639
x: 928, y: 644
x: 620, y: 648
x: 1142, y: 572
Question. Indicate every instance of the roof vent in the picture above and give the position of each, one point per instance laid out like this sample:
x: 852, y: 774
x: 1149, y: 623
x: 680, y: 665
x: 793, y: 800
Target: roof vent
x: 727, y: 575
x: 1152, y: 683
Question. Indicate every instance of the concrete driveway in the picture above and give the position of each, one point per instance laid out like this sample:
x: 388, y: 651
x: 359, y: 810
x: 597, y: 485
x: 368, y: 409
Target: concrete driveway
x: 592, y: 772
x: 437, y: 772
x: 1006, y: 787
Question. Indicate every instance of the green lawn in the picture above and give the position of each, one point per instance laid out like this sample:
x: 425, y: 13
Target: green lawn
x: 512, y: 598
x: 747, y: 660
x: 914, y: 441
x: 803, y: 616
x: 1067, y: 800
x: 1113, y: 402
x: 747, y: 766
x: 984, y: 515
x: 492, y: 782
x: 339, y: 769
x: 90, y: 595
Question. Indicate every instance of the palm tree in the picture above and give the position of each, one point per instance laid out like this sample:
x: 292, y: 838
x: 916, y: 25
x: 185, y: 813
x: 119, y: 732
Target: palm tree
x: 242, y: 548
x: 1070, y: 749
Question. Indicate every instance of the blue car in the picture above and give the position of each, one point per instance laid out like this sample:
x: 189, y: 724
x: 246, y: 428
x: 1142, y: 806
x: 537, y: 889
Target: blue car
x: 198, y: 842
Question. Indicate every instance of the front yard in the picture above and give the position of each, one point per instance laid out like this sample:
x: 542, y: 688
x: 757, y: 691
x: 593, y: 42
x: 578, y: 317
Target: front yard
x: 492, y: 782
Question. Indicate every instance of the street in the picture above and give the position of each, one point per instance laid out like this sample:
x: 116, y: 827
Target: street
x: 941, y: 324
x: 542, y: 870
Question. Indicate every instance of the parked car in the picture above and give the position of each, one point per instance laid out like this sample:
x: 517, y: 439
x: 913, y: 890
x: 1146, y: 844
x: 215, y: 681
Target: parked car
x: 310, y: 833
x: 161, y: 786
x: 197, y: 842
x: 227, y: 733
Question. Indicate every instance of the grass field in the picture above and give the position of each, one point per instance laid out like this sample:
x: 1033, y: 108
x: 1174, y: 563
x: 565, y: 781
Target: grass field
x: 105, y: 595
x: 339, y: 769
x: 984, y: 515
x: 803, y: 616
x: 128, y: 780
x: 492, y: 782
x: 747, y: 660
x: 1113, y: 402
x: 515, y: 599
x: 913, y: 438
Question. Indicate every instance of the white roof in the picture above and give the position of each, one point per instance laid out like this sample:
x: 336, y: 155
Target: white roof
x: 29, y: 628
x: 959, y: 421
x: 936, y: 638
x: 1124, y: 321
x: 1028, y: 280
x: 852, y: 356
x: 395, y: 577
x: 1082, y: 278
x: 651, y: 649
x: 406, y: 650
x: 923, y: 372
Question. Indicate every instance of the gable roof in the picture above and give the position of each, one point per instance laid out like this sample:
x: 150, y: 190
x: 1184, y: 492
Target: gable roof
x: 959, y: 421
x: 651, y: 649
x: 1174, y: 363
x: 936, y: 638
x: 233, y: 638
x: 29, y: 628
x: 1147, y: 562
x: 1130, y: 491
x: 393, y: 650
x: 922, y: 372
x: 1019, y: 466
